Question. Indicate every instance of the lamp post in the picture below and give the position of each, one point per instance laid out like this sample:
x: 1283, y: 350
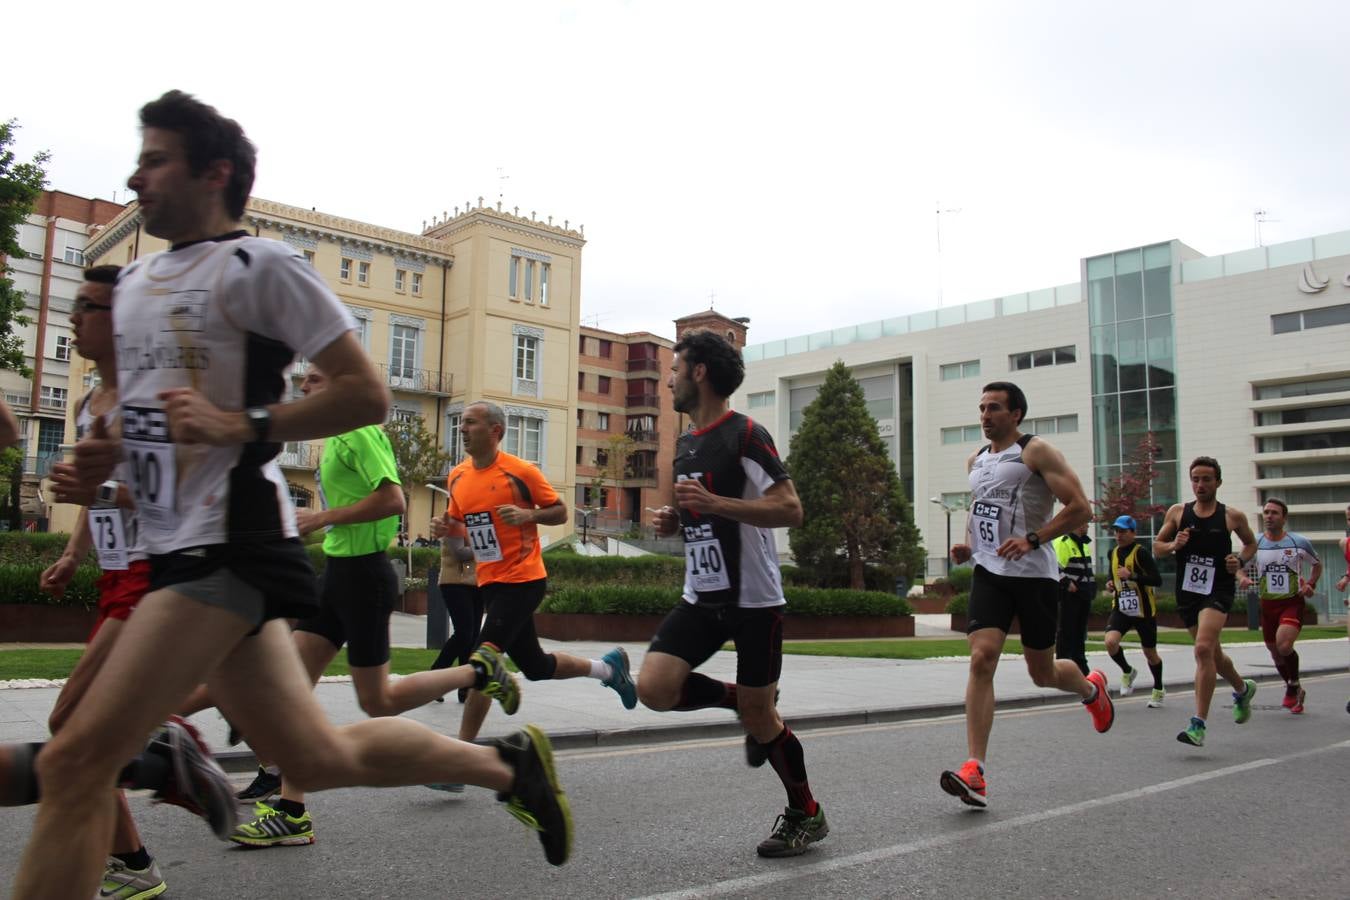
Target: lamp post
x: 947, y: 553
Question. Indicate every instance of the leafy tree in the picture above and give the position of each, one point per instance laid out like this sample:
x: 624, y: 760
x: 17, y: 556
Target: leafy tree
x: 1127, y: 494
x: 416, y: 453
x: 856, y: 514
x: 20, y: 186
x: 616, y: 466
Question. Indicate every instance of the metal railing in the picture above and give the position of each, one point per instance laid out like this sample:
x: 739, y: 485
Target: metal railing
x: 422, y: 381
x: 299, y: 456
x: 644, y: 364
x: 633, y: 400
x: 643, y: 436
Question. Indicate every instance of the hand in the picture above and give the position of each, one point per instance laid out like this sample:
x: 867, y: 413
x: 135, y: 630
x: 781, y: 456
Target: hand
x: 54, y: 580
x: 1232, y: 563
x: 195, y: 420
x: 665, y: 520
x: 309, y: 521
x: 1342, y: 583
x: 960, y: 553
x: 95, y: 458
x: 1123, y: 573
x: 1073, y: 587
x: 439, y: 529
x: 1181, y: 539
x: 1014, y: 548
x: 1244, y: 582
x: 1306, y: 588
x: 67, y: 486
x: 514, y: 515
x: 1110, y: 587
x: 690, y: 494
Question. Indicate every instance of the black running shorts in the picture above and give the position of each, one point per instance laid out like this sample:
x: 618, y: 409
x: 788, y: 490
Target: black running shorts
x: 996, y: 599
x: 1147, y: 628
x: 255, y: 581
x: 694, y: 632
x: 509, y: 626
x: 1189, y: 605
x: 357, y: 595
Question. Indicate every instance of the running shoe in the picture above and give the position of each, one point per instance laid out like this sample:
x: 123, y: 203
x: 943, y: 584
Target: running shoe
x: 793, y: 832
x: 967, y: 783
x: 1102, y: 709
x: 1290, y: 698
x: 196, y: 782
x: 1155, y: 700
x: 274, y: 828
x: 449, y: 787
x: 1194, y: 733
x: 501, y: 684
x: 1297, y: 708
x: 122, y: 882
x: 264, y: 787
x: 621, y: 678
x: 756, y: 754
x: 1127, y: 682
x: 536, y: 798
x: 1242, y: 703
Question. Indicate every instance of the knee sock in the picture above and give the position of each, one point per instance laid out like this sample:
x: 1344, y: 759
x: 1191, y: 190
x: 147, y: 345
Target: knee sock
x: 292, y: 808
x: 1119, y: 659
x: 787, y: 759
x: 20, y: 787
x: 137, y: 859
x: 1291, y: 665
x: 148, y: 771
x: 1156, y: 669
x: 702, y: 692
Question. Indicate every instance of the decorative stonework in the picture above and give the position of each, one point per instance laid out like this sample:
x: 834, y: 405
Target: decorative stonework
x: 286, y: 217
x: 527, y: 331
x: 525, y: 412
x: 526, y: 388
x: 412, y: 264
x: 357, y: 251
x: 568, y: 237
x: 361, y: 312
x: 120, y: 227
x: 303, y: 241
x: 409, y: 321
x: 531, y: 254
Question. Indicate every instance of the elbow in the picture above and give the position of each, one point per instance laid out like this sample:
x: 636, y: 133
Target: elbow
x: 795, y: 517
x: 371, y: 405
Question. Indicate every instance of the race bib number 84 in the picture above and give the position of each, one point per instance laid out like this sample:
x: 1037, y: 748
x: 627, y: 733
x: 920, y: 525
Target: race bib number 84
x: 1198, y: 576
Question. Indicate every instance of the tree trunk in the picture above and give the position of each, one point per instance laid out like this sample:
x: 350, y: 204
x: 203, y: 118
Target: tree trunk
x: 856, y: 580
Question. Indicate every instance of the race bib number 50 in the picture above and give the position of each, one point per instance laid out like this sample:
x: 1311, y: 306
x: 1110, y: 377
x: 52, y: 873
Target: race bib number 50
x: 150, y: 456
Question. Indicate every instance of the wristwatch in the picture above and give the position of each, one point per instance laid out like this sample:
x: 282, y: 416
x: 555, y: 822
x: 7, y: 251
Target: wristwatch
x: 1034, y: 540
x: 105, y: 495
x: 260, y: 417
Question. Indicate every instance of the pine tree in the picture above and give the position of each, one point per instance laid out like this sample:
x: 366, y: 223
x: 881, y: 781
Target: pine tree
x: 855, y: 513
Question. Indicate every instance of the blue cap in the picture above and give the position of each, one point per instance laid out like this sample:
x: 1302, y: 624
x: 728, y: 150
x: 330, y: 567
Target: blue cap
x: 1125, y: 523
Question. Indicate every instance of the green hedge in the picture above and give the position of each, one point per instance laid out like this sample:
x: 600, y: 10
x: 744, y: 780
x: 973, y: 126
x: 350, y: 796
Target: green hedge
x: 20, y: 547
x: 1101, y: 604
x: 19, y: 585
x: 636, y: 600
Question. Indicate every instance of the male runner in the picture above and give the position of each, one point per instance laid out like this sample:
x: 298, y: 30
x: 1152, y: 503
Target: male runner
x: 1014, y: 482
x: 1077, y: 590
x: 502, y: 500
x: 1282, y: 559
x: 1200, y: 534
x: 730, y: 490
x: 204, y: 333
x: 1134, y: 575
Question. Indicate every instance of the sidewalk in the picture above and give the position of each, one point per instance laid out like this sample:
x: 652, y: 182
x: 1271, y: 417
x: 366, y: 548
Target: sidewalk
x: 816, y: 692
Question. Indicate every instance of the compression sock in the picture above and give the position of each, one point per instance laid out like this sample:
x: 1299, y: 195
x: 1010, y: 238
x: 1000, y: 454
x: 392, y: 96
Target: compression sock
x: 1119, y: 659
x: 137, y: 859
x: 702, y: 692
x: 1156, y: 669
x: 19, y: 787
x: 291, y: 808
x: 788, y: 760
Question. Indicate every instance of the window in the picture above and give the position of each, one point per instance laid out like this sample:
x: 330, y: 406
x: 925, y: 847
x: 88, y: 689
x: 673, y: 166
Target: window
x: 309, y: 256
x: 524, y: 437
x: 760, y: 400
x: 602, y: 384
x: 363, y: 273
x: 529, y: 281
x: 581, y: 344
x: 1310, y: 318
x: 581, y: 381
x: 527, y: 350
x: 400, y: 280
x: 1052, y: 425
x: 345, y: 269
x: 301, y: 497
x: 956, y: 500
x: 955, y: 371
x: 543, y: 284
x: 602, y: 421
x: 578, y: 455
x: 63, y: 347
x: 399, y: 414
x: 403, y: 353
x: 961, y: 434
x: 606, y: 348
x: 52, y: 397
x: 601, y: 458
x: 454, y: 441
x: 581, y: 418
x: 74, y: 256
x: 50, y: 433
x: 1055, y: 356
x: 513, y: 279
x: 363, y: 332
x: 417, y: 284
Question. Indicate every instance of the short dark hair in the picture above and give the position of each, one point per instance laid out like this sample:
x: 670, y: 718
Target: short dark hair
x: 207, y: 136
x: 102, y: 274
x: 726, y: 368
x: 1016, y: 399
x: 1284, y: 507
x: 1207, y: 461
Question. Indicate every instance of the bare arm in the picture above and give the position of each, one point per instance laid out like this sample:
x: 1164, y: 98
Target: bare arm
x: 1237, y: 522
x: 554, y: 514
x: 777, y: 507
x: 1051, y: 465
x: 1168, y: 538
x: 381, y: 503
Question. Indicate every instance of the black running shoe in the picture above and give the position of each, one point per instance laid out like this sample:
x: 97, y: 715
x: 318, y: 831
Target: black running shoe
x: 264, y: 787
x: 536, y: 798
x: 196, y: 782
x: 793, y: 832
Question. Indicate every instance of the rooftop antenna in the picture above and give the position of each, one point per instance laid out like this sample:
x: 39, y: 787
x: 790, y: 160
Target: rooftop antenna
x: 1259, y: 216
x: 712, y: 299
x: 940, y: 211
x: 501, y: 183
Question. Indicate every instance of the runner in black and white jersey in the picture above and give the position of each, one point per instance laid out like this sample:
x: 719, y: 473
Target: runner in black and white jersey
x: 730, y: 490
x: 1014, y: 482
x: 204, y: 334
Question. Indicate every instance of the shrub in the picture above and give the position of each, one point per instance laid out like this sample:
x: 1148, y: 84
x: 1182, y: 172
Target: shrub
x: 19, y: 585
x: 21, y: 547
x: 959, y: 605
x: 960, y: 578
x: 634, y: 600
x: 573, y: 569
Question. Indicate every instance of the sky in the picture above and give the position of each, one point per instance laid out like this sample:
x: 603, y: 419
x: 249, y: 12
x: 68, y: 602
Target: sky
x: 782, y: 161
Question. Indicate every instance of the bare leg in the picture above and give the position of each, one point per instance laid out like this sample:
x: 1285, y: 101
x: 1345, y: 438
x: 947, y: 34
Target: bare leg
x: 1062, y: 674
x: 985, y: 646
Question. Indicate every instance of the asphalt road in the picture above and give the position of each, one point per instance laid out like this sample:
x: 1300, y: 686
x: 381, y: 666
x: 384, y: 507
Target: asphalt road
x: 1260, y: 811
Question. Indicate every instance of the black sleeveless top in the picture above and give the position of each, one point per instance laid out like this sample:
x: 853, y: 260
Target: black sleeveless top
x: 1210, y: 543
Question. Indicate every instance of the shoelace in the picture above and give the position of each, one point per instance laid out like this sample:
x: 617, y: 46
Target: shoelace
x: 516, y: 808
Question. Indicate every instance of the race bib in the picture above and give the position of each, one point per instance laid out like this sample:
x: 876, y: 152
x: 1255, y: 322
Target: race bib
x: 110, y: 539
x: 1278, y: 581
x: 483, y: 537
x: 1198, y: 577
x: 1127, y: 601
x: 706, y: 566
x: 984, y: 527
x: 153, y: 466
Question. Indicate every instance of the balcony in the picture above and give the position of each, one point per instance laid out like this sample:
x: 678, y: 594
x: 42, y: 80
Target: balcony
x: 299, y: 455
x: 643, y: 401
x: 640, y: 473
x: 417, y: 381
x: 645, y: 364
x: 641, y: 437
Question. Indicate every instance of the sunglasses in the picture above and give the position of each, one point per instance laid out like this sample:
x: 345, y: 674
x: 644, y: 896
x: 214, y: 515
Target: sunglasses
x: 84, y: 306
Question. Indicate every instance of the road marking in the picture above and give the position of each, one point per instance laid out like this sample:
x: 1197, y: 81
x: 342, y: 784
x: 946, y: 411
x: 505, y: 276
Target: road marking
x: 795, y: 873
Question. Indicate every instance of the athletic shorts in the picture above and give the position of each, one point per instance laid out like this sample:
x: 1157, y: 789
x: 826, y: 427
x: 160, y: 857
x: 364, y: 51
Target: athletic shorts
x: 996, y: 599
x: 1147, y: 628
x: 509, y: 626
x: 1189, y: 606
x: 1275, y: 613
x: 119, y: 590
x: 356, y: 597
x: 694, y: 632
x: 255, y: 581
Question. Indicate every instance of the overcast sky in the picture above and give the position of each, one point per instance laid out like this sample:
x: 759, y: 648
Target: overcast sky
x: 788, y: 158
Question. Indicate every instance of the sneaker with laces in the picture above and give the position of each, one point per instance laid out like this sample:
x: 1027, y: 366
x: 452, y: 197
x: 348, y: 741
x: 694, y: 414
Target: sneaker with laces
x: 1297, y: 708
x: 1194, y: 733
x: 1242, y: 703
x: 196, y: 782
x: 1290, y: 697
x: 1101, y: 708
x: 793, y: 832
x: 122, y: 882
x: 262, y: 788
x: 449, y: 787
x: 621, y: 679
x: 967, y: 783
x: 274, y: 828
x: 501, y: 684
x: 1155, y: 700
x: 1127, y: 682
x: 536, y: 798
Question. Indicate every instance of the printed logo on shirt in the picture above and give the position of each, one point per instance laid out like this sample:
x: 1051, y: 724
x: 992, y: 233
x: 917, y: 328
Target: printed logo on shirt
x: 142, y: 424
x: 186, y: 311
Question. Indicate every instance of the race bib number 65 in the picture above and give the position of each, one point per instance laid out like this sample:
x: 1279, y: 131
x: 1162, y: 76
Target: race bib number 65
x: 984, y: 526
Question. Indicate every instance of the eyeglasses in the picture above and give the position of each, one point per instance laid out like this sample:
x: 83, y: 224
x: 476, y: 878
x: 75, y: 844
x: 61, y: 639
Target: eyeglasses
x: 84, y: 306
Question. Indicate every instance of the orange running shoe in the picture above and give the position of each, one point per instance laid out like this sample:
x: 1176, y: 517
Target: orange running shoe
x: 1297, y: 708
x: 968, y: 784
x: 1102, y: 709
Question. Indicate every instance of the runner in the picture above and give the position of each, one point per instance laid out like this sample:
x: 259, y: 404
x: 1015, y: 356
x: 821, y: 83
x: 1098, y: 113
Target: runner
x: 1077, y: 590
x: 1200, y: 533
x: 205, y: 332
x: 1134, y: 575
x: 501, y: 500
x: 1282, y: 559
x: 730, y: 490
x: 1014, y: 481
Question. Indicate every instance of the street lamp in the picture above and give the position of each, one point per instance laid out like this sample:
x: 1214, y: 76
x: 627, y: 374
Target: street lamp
x: 947, y: 555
